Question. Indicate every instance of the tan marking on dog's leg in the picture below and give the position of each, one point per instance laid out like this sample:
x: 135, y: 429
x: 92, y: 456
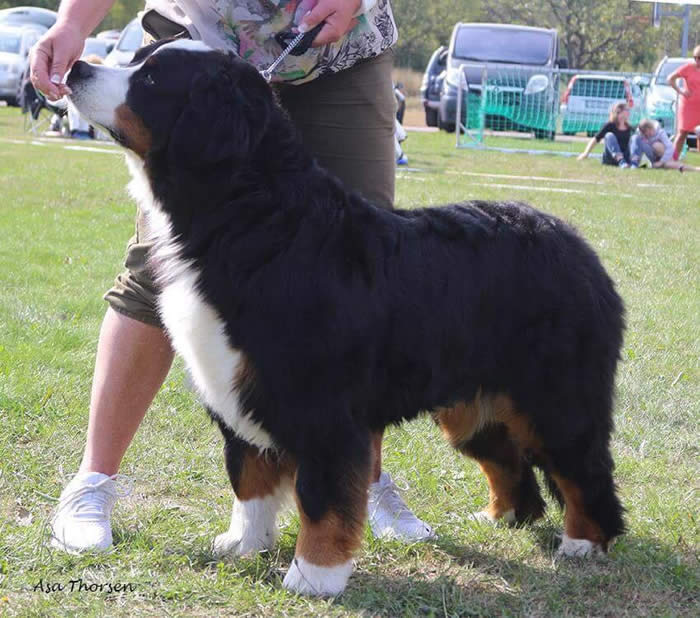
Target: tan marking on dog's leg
x: 262, y: 473
x: 519, y: 427
x: 502, y: 486
x: 323, y: 559
x: 582, y: 536
x: 264, y: 484
x: 459, y: 422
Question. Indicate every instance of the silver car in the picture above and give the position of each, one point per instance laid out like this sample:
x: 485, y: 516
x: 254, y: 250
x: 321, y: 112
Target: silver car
x: 129, y: 41
x: 661, y: 98
x: 588, y: 99
x: 15, y: 43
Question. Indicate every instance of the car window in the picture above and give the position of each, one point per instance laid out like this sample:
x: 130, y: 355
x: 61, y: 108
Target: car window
x: 485, y: 44
x: 599, y: 88
x: 132, y: 38
x: 10, y: 43
x: 28, y: 15
x: 96, y: 47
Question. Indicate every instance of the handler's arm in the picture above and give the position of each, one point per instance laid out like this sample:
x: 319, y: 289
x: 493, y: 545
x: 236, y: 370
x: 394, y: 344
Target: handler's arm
x: 63, y: 43
x: 339, y: 15
x: 590, y: 146
x: 673, y: 82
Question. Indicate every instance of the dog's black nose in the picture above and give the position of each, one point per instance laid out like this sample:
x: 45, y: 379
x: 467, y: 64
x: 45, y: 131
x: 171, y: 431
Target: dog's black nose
x: 81, y: 70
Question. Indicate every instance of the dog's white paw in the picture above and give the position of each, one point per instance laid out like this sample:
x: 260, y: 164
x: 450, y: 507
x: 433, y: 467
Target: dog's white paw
x: 253, y: 527
x: 234, y: 544
x: 578, y: 548
x: 484, y: 517
x: 319, y: 581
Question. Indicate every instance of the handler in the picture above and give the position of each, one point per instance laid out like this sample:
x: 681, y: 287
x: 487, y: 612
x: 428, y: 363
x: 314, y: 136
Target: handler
x: 339, y: 95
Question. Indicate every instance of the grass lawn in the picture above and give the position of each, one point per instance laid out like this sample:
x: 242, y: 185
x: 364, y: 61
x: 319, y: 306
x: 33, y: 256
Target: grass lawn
x: 64, y: 221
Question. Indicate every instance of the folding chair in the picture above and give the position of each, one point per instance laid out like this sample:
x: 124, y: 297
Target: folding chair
x: 38, y: 111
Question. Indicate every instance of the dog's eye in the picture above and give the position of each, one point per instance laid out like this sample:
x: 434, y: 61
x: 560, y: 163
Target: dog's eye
x: 148, y: 80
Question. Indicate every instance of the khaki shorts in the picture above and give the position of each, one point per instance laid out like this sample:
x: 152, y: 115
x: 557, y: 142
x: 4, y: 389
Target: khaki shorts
x: 346, y: 121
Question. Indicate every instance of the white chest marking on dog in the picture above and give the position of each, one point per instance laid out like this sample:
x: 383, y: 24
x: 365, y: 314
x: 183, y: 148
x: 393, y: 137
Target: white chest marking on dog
x: 197, y: 331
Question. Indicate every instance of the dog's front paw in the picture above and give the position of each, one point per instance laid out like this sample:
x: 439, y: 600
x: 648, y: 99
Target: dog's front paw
x: 319, y: 581
x: 234, y: 544
x: 578, y: 548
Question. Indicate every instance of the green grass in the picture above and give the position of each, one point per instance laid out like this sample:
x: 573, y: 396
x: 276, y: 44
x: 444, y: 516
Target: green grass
x: 64, y: 221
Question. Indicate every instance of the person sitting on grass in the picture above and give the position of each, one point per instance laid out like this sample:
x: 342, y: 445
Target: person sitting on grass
x: 616, y: 134
x: 652, y: 140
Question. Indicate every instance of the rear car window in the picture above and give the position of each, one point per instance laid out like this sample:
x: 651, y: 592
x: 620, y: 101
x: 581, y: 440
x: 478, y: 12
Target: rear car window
x: 599, y: 88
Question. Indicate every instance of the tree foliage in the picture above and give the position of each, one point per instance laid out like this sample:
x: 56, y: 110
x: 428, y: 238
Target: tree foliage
x: 424, y: 25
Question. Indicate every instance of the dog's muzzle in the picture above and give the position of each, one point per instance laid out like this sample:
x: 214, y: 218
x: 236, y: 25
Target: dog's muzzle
x: 80, y: 72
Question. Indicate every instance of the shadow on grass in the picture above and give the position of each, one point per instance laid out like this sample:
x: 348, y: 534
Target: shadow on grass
x: 447, y: 576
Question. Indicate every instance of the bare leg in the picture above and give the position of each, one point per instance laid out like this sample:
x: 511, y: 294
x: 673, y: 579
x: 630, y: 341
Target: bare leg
x: 677, y: 165
x: 132, y: 361
x: 678, y: 143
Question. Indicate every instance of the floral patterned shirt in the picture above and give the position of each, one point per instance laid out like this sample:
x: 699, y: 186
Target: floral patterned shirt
x: 248, y: 28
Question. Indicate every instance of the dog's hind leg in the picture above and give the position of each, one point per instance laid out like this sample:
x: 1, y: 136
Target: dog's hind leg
x: 478, y: 430
x: 331, y: 494
x: 261, y: 483
x: 593, y: 513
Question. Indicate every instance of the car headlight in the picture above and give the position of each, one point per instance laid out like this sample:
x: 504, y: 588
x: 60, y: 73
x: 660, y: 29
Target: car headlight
x: 537, y: 83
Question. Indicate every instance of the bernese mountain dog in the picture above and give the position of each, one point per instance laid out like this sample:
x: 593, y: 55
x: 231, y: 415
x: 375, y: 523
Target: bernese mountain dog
x: 309, y: 318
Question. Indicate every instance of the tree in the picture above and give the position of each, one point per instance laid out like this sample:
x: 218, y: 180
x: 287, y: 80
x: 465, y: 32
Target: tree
x: 594, y: 33
x: 122, y: 12
x: 424, y: 25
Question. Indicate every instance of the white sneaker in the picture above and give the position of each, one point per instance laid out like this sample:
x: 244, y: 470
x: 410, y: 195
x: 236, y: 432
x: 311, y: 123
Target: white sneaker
x: 82, y: 518
x: 390, y: 518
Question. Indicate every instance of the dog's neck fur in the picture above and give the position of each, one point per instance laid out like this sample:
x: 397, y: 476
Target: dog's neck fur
x: 277, y: 176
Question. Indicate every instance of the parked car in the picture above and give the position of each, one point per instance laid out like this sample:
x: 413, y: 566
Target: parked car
x: 588, y: 99
x: 519, y: 60
x: 15, y: 43
x: 20, y: 15
x: 431, y: 85
x: 110, y: 37
x: 95, y: 47
x: 661, y: 98
x: 129, y: 41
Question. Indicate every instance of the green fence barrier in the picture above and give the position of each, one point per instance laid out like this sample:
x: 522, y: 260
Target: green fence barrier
x: 548, y: 103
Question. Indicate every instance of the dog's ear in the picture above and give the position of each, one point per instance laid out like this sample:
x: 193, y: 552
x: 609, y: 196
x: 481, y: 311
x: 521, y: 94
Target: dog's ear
x: 225, y: 118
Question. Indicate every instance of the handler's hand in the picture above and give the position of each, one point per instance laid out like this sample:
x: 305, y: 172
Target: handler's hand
x: 581, y: 157
x: 338, y: 15
x: 52, y: 57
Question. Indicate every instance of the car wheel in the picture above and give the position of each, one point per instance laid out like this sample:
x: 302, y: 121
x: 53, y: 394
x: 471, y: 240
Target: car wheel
x: 12, y: 101
x: 544, y: 134
x: 431, y: 117
x: 449, y: 127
